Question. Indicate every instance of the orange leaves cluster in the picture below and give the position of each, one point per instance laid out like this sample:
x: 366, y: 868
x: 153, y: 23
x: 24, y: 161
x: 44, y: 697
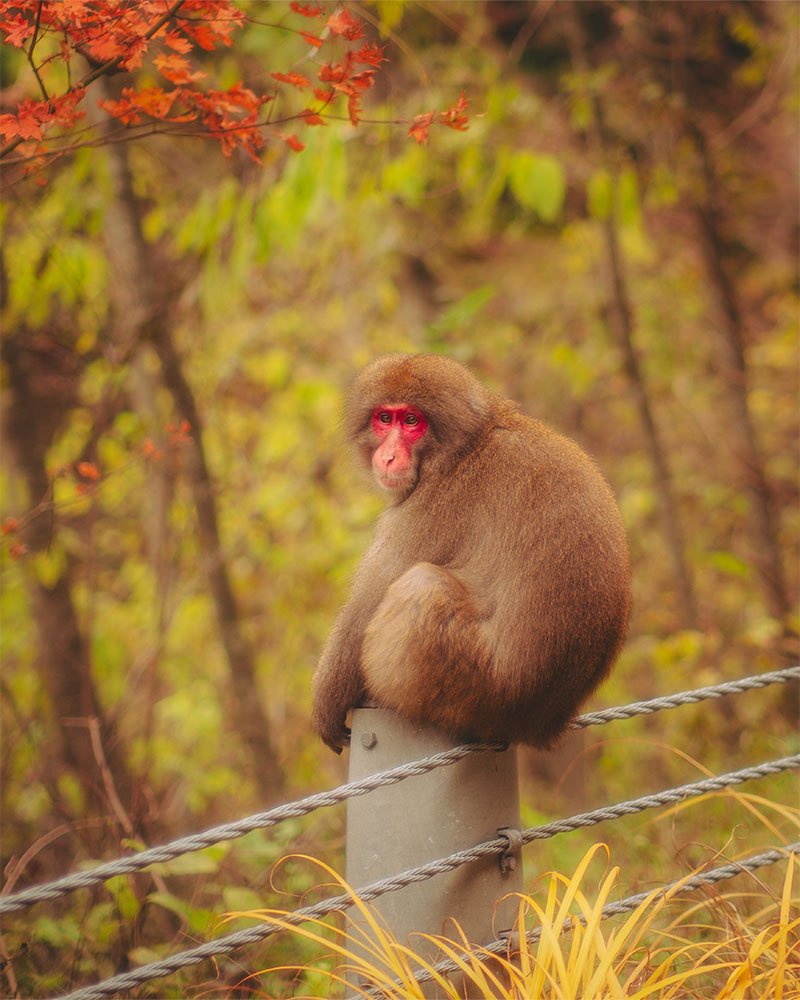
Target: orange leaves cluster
x: 178, y: 436
x: 348, y: 25
x: 9, y: 529
x: 343, y: 79
x: 295, y: 79
x: 87, y: 478
x: 33, y: 117
x: 113, y: 35
x: 454, y: 117
x: 230, y: 116
x: 117, y: 35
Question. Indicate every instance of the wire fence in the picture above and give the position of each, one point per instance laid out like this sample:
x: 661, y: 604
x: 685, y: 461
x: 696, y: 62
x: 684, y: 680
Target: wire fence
x: 301, y: 807
x: 373, y: 890
x: 679, y: 886
x: 229, y: 831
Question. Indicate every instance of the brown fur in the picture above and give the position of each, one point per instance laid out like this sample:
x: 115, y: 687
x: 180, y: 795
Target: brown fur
x: 495, y: 595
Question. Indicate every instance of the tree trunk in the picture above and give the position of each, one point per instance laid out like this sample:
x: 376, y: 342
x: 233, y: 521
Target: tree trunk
x: 43, y: 378
x: 622, y: 325
x: 621, y: 319
x: 732, y: 336
x: 139, y: 316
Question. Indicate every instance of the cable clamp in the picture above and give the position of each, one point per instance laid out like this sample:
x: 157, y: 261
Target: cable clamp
x: 514, y: 842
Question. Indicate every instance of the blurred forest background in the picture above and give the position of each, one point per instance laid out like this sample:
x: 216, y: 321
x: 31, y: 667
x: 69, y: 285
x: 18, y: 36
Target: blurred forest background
x: 612, y: 242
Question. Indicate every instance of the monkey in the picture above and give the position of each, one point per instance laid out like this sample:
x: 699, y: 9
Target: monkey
x: 495, y: 595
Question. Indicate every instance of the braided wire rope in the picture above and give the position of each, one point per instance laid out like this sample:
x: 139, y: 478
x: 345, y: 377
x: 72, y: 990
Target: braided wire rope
x: 230, y: 831
x: 230, y: 942
x: 292, y: 810
x: 685, y: 698
x: 682, y: 885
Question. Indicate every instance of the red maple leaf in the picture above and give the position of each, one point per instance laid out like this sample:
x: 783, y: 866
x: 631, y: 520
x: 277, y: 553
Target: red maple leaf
x: 354, y: 108
x: 180, y: 434
x: 456, y: 116
x: 204, y: 36
x: 334, y: 73
x: 295, y: 79
x: 420, y: 126
x: 370, y: 55
x: 343, y: 23
x: 291, y: 141
x: 88, y: 470
x: 177, y: 69
x: 306, y: 10
x: 176, y: 41
x: 363, y: 80
x: 65, y: 108
x: 16, y: 30
x: 152, y: 101
x: 27, y: 122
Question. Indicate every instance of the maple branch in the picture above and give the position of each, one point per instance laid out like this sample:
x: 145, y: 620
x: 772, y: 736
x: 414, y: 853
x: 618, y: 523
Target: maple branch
x: 146, y: 130
x: 112, y: 64
x: 105, y: 68
x: 34, y: 40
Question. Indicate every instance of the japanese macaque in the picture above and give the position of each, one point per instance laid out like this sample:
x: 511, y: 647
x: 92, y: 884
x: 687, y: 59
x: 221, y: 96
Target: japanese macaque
x: 495, y: 595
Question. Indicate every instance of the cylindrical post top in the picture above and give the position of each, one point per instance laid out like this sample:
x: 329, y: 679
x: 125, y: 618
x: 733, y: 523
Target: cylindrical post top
x: 427, y: 817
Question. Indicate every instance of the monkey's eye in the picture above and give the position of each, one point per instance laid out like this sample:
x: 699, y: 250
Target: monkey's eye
x: 411, y: 419
x: 385, y: 417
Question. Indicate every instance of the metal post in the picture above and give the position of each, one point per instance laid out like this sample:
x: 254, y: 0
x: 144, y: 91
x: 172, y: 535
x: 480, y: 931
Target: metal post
x: 428, y: 817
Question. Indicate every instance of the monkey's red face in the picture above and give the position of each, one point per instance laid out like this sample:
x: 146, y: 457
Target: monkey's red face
x: 398, y: 430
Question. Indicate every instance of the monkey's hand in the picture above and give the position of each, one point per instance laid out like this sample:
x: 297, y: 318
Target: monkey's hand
x: 330, y: 726
x: 334, y: 696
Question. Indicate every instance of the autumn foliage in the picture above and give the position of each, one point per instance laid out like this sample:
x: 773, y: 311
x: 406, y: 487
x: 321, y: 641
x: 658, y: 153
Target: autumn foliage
x: 94, y: 38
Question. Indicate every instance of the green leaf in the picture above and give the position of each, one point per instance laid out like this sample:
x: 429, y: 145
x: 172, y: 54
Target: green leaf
x: 272, y: 368
x: 406, y: 175
x: 581, y: 374
x: 600, y: 194
x: 627, y: 206
x: 390, y: 14
x: 204, y: 862
x: 729, y: 564
x: 470, y: 170
x: 128, y: 904
x: 551, y: 186
x: 198, y: 920
x: 240, y: 899
x: 538, y: 183
x: 459, y: 314
x: 50, y: 565
x: 61, y: 933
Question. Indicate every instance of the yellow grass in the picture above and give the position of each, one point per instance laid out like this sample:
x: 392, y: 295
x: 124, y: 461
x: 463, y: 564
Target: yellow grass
x: 726, y: 945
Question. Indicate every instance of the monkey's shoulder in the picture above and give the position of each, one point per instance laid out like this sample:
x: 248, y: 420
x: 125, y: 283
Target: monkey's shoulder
x: 528, y: 444
x: 525, y: 458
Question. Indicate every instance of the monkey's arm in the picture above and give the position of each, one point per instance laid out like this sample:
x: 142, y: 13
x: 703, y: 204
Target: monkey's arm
x: 338, y: 681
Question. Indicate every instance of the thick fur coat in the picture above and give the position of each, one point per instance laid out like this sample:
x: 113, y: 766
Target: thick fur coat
x: 495, y: 595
